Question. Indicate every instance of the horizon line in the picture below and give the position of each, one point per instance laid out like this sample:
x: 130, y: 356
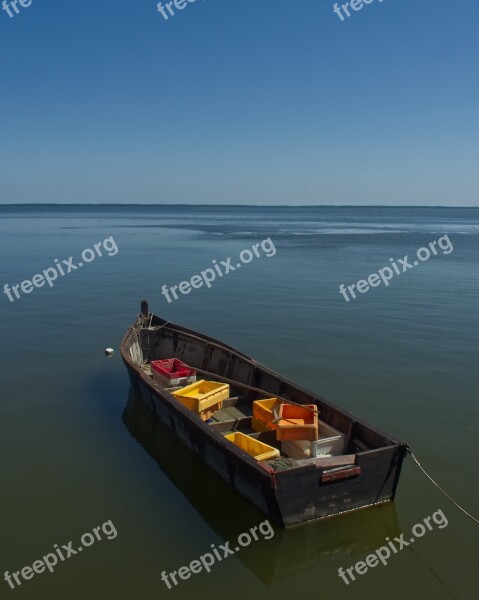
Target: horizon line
x: 112, y: 204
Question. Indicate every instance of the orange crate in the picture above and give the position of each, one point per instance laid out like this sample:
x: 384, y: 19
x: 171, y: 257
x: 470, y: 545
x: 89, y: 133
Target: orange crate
x: 263, y: 411
x: 297, y: 422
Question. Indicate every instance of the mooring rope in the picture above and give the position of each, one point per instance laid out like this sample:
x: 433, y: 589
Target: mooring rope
x: 418, y: 464
x: 276, y: 419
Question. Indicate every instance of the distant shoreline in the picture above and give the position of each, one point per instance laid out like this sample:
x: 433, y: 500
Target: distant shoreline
x: 293, y: 206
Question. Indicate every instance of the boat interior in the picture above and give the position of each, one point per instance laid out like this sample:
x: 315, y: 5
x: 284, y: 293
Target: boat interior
x: 248, y: 382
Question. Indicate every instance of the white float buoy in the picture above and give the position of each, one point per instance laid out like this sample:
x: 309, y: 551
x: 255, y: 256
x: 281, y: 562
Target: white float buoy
x: 109, y: 352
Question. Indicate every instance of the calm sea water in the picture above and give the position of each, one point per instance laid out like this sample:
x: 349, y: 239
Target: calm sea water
x: 404, y: 357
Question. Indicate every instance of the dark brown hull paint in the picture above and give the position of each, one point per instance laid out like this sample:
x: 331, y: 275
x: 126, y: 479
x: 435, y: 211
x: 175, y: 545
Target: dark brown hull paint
x: 290, y: 497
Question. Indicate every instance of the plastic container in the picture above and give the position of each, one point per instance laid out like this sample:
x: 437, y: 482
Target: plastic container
x: 292, y: 450
x: 202, y: 395
x: 209, y: 412
x: 172, y: 372
x: 331, y: 442
x: 259, y: 450
x: 263, y: 411
x: 299, y: 449
x: 297, y: 422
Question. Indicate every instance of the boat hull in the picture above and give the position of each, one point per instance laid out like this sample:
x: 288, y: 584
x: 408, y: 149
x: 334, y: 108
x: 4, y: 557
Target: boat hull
x: 288, y: 497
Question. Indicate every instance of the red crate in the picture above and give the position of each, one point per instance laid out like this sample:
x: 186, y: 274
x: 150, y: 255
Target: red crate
x: 172, y: 372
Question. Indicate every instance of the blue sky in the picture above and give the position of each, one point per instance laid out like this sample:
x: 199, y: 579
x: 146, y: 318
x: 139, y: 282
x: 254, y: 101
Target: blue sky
x: 240, y: 101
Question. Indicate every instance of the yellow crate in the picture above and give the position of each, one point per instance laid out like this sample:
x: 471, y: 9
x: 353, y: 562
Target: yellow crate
x: 263, y: 411
x: 201, y: 395
x: 209, y: 412
x: 257, y: 449
x: 259, y: 426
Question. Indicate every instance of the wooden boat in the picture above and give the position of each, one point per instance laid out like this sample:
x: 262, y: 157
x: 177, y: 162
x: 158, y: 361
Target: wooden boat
x: 288, y: 491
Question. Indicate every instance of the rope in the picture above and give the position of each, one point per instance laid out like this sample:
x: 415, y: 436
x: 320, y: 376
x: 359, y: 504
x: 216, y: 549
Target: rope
x: 276, y: 419
x: 135, y: 350
x: 156, y: 327
x: 418, y: 464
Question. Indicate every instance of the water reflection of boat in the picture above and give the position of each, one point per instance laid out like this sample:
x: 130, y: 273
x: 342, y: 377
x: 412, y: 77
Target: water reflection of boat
x: 291, y: 550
